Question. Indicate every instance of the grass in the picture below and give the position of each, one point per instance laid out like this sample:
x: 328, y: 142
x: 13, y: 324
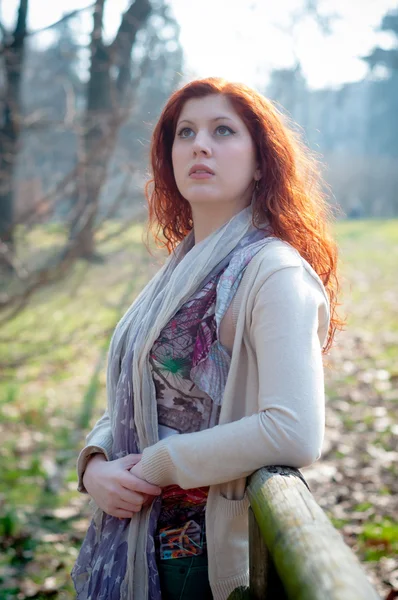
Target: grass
x: 379, y: 539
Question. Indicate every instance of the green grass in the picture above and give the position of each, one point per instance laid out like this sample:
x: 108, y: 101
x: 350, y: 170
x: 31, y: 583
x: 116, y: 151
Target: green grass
x: 379, y: 539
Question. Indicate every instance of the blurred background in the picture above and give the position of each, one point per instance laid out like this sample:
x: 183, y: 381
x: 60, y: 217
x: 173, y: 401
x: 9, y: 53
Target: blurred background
x: 81, y: 87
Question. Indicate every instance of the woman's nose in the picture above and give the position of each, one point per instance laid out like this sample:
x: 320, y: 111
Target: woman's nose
x: 201, y: 144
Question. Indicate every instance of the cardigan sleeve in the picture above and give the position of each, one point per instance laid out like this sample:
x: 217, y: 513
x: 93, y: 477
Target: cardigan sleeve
x: 98, y: 440
x: 289, y: 316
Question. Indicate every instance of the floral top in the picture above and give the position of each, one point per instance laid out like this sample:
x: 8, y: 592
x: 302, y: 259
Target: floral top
x: 183, y: 408
x: 190, y: 369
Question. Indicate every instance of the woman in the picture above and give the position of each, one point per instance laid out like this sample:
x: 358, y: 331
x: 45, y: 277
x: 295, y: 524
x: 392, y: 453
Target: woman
x: 216, y: 368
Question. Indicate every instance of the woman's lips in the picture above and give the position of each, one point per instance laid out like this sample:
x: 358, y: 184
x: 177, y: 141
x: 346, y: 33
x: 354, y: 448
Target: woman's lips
x: 201, y: 175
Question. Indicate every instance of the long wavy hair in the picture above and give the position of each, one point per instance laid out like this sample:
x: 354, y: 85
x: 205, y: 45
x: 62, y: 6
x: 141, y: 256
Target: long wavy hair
x: 291, y: 193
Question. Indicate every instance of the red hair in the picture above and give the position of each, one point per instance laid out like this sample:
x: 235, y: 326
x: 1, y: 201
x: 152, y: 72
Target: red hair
x: 290, y: 195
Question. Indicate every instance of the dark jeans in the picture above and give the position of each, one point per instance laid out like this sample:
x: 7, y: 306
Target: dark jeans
x: 185, y: 578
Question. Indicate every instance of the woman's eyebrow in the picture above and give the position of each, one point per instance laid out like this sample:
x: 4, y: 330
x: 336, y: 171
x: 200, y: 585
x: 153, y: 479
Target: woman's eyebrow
x: 215, y: 119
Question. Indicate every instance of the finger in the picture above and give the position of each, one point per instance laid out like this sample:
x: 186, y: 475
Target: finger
x: 130, y: 460
x: 149, y: 500
x: 132, y: 497
x: 128, y: 506
x: 131, y: 482
x: 123, y: 514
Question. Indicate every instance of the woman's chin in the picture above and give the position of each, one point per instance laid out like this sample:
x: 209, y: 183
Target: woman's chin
x: 201, y: 197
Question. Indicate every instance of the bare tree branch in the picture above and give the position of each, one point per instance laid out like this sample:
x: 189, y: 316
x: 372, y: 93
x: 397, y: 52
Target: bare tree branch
x: 3, y: 30
x: 65, y: 17
x: 131, y: 20
x: 21, y: 26
x: 7, y: 35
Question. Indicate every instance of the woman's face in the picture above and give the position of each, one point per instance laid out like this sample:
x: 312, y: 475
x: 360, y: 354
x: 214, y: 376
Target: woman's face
x: 209, y: 132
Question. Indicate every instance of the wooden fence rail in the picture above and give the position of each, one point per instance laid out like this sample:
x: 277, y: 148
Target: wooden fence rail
x: 295, y: 551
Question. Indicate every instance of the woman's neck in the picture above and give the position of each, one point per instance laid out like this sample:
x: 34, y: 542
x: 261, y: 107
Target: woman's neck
x: 208, y: 219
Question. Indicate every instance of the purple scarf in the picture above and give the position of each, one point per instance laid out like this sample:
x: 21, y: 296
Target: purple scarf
x: 100, y: 569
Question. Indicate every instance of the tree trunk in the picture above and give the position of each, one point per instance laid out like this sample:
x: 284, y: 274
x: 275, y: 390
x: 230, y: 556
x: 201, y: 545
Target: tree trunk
x: 9, y: 133
x: 104, y: 114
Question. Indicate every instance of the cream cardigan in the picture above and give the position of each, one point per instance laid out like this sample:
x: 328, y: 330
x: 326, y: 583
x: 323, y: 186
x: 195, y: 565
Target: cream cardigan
x: 272, y: 411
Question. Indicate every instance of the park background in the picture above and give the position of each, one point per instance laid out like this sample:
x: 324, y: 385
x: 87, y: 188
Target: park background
x: 81, y: 87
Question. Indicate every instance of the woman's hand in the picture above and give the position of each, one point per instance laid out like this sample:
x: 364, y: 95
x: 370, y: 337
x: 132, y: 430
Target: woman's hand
x: 114, y: 488
x: 137, y: 471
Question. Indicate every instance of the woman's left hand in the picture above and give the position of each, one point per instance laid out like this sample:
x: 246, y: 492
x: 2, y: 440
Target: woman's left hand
x: 137, y: 471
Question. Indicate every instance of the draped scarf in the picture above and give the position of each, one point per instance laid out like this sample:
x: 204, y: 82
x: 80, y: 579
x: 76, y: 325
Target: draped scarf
x: 114, y: 550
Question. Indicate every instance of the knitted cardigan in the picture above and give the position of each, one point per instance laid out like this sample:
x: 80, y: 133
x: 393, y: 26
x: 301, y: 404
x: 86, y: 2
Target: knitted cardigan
x: 272, y: 410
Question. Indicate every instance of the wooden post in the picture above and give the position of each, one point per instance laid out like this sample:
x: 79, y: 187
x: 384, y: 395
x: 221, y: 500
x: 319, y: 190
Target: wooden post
x: 264, y: 579
x: 309, y: 554
x: 258, y: 560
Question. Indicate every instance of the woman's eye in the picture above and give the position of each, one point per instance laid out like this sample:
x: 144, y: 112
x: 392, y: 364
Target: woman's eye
x: 225, y: 128
x: 182, y: 132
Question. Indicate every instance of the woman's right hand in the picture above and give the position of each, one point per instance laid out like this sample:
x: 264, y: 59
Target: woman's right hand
x: 114, y: 489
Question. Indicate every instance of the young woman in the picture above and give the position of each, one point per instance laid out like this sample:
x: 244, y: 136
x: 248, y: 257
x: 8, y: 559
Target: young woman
x: 216, y: 368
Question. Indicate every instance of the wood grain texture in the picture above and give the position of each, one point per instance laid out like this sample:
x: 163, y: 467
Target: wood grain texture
x: 264, y: 579
x: 309, y: 554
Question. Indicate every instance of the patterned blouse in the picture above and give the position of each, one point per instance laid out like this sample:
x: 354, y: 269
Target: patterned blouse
x: 183, y: 408
x: 190, y: 369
